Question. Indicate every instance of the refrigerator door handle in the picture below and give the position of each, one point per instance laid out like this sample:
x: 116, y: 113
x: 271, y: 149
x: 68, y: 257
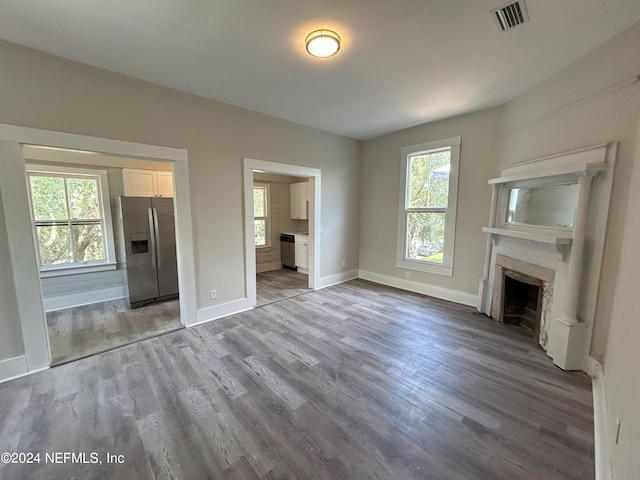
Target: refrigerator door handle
x: 152, y: 230
x: 157, y: 235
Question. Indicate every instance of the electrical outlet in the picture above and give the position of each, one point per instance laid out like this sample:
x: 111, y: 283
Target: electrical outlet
x: 214, y: 294
x: 343, y: 263
x: 407, y: 275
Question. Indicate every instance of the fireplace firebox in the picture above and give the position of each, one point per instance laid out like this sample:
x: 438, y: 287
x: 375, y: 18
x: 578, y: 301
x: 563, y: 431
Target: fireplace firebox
x: 522, y: 302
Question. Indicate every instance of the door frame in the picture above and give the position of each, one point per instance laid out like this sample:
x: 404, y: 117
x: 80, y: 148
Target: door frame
x: 315, y: 228
x: 13, y: 188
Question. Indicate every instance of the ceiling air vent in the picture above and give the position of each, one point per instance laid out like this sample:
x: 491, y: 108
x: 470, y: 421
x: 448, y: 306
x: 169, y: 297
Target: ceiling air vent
x: 510, y: 15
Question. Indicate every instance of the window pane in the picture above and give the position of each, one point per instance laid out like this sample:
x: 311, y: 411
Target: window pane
x: 429, y: 179
x: 259, y: 202
x: 55, y: 247
x: 260, y: 232
x: 425, y: 236
x: 88, y: 242
x: 83, y: 198
x: 49, y: 202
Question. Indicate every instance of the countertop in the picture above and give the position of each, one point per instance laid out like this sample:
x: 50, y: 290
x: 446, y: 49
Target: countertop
x: 296, y: 234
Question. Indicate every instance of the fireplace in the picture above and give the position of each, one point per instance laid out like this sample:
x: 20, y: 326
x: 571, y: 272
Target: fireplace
x: 547, y: 227
x: 522, y: 295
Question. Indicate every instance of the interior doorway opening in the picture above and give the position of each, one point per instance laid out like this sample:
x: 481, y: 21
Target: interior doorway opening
x: 28, y: 318
x: 105, y: 238
x: 281, y: 233
x: 282, y: 225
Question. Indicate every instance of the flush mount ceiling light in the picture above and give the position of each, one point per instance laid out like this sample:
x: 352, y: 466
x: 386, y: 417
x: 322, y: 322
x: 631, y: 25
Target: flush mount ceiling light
x: 322, y: 43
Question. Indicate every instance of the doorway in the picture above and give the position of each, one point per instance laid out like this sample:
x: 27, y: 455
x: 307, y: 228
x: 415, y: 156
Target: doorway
x: 282, y: 207
x: 281, y: 232
x: 34, y: 353
x: 108, y: 271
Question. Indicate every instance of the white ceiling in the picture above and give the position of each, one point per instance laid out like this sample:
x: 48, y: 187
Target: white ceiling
x: 402, y: 62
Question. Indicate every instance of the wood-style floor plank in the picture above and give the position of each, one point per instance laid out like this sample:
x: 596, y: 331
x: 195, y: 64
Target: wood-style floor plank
x: 354, y: 381
x: 276, y: 285
x: 78, y: 332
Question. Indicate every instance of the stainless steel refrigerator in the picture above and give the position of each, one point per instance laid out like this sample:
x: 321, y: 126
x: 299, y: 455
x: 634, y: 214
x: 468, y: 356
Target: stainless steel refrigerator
x: 148, y: 239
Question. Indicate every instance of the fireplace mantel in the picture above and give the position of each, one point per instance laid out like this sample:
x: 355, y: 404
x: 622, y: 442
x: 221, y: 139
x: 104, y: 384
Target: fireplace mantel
x: 569, y: 335
x: 559, y: 240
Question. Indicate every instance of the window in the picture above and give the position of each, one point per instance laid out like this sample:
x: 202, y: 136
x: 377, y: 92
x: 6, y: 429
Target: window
x: 262, y: 229
x: 72, y: 223
x: 428, y: 191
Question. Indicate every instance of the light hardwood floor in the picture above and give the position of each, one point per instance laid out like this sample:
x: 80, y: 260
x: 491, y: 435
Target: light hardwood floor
x: 277, y: 285
x: 354, y: 381
x: 81, y: 331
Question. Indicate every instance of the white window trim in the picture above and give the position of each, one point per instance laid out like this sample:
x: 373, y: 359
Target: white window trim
x: 267, y: 217
x: 109, y: 263
x: 446, y: 267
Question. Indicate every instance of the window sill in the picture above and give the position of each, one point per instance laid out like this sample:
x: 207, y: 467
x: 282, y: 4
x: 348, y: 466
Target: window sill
x: 77, y: 269
x: 427, y: 267
x: 263, y: 247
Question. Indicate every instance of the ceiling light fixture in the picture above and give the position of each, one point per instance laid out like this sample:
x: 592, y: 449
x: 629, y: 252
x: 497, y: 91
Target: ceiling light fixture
x: 322, y: 43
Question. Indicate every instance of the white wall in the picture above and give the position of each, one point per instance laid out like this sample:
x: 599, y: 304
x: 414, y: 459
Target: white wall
x: 380, y: 187
x: 575, y: 109
x: 11, y: 334
x: 42, y: 91
x: 622, y: 360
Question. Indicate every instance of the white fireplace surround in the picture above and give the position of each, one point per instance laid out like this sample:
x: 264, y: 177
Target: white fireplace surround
x: 568, y: 259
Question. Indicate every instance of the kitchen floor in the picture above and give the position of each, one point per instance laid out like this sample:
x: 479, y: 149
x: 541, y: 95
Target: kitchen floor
x: 281, y: 284
x: 82, y: 331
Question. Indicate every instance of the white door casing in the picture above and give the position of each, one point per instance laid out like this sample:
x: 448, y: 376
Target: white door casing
x: 315, y: 228
x: 13, y: 187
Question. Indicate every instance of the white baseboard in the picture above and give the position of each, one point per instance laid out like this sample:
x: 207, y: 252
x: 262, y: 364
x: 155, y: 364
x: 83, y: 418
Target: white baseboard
x: 464, y: 298
x: 601, y: 424
x: 84, y: 298
x: 13, y: 367
x: 223, y: 310
x: 337, y: 278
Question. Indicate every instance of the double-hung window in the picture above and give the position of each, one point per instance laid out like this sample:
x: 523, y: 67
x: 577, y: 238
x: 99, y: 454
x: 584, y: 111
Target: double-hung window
x: 427, y: 216
x: 72, y: 219
x: 262, y: 230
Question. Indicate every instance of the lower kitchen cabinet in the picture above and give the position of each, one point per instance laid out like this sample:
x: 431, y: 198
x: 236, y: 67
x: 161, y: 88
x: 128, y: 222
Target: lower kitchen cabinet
x: 302, y: 252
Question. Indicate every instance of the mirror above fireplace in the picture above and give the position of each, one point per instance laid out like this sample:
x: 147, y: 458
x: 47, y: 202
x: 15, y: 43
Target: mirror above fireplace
x: 551, y: 205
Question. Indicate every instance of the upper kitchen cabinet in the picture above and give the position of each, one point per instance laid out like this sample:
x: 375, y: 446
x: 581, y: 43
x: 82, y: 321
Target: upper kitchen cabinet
x: 165, y: 184
x: 147, y: 183
x: 299, y: 200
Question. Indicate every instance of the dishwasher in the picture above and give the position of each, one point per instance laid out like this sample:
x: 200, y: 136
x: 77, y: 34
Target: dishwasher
x: 288, y: 250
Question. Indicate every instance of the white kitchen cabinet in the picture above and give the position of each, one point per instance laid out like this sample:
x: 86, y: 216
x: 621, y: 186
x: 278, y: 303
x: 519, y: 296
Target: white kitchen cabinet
x: 147, y: 183
x: 302, y: 252
x: 299, y: 198
x: 165, y: 184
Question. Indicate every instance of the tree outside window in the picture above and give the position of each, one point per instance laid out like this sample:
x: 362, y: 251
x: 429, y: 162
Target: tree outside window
x: 261, y: 215
x: 428, y: 201
x: 69, y: 226
x: 426, y: 227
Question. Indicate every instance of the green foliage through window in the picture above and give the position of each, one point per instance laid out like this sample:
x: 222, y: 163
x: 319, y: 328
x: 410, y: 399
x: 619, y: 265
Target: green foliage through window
x: 426, y: 204
x: 260, y: 208
x: 67, y: 213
